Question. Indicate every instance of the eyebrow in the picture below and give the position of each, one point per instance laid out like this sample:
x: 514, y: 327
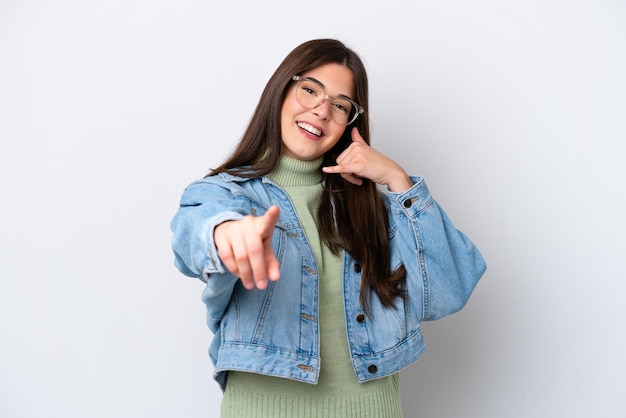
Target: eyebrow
x: 322, y: 84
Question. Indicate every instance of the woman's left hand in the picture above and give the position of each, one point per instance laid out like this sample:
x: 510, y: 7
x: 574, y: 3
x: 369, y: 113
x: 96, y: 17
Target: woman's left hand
x: 360, y: 160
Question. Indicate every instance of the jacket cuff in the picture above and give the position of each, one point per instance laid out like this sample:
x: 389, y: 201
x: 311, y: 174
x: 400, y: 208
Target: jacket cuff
x: 212, y: 262
x: 414, y: 200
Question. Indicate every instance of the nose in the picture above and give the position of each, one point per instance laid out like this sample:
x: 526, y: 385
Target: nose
x: 322, y: 110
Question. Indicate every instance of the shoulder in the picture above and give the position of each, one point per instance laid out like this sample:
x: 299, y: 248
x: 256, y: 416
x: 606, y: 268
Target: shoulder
x: 223, y: 179
x: 216, y: 185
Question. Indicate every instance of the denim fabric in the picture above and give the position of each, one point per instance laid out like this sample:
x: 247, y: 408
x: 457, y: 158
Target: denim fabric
x: 275, y: 331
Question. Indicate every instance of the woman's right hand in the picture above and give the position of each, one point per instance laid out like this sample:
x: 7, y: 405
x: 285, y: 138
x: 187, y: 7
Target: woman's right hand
x: 245, y: 248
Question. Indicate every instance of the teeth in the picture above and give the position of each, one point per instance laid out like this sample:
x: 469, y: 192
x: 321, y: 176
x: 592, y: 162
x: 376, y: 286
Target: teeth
x: 309, y: 128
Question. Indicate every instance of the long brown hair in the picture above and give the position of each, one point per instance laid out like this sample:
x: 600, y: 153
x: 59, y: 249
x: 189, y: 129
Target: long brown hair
x: 350, y: 217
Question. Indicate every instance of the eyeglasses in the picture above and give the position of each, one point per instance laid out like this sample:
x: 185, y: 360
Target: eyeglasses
x: 310, y: 94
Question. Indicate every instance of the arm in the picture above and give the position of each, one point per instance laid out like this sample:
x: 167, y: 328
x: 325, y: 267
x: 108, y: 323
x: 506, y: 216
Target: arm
x: 215, y: 233
x: 203, y: 206
x: 443, y: 265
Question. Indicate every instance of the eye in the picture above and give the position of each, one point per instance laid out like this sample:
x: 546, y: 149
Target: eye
x: 309, y: 88
x: 343, y: 107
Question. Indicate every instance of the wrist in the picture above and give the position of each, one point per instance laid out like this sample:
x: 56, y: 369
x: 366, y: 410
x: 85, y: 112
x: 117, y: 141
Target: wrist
x: 400, y: 183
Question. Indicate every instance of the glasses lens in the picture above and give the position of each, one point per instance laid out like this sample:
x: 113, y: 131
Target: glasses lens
x: 342, y: 110
x: 310, y: 94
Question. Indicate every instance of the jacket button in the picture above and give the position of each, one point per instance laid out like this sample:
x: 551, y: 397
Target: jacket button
x: 357, y: 267
x: 372, y: 369
x: 360, y: 318
x: 407, y: 203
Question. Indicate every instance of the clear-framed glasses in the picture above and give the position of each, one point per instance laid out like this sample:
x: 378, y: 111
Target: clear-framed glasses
x: 310, y: 94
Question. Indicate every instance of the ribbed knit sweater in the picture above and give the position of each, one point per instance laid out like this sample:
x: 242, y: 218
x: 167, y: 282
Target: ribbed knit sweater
x: 337, y: 394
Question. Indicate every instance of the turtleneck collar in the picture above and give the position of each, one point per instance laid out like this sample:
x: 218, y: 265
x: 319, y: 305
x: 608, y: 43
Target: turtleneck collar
x: 291, y: 172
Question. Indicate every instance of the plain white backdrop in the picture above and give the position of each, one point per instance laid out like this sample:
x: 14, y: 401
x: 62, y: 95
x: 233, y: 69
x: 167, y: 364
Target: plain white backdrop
x: 515, y: 112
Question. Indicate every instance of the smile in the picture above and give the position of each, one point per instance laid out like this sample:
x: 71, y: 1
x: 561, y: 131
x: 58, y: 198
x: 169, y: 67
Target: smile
x: 310, y: 129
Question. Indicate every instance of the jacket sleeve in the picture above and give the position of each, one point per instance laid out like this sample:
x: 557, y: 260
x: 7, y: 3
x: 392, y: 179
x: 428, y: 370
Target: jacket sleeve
x: 203, y: 206
x: 443, y: 265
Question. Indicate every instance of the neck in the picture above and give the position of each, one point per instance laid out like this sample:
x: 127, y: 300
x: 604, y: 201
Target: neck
x: 291, y: 172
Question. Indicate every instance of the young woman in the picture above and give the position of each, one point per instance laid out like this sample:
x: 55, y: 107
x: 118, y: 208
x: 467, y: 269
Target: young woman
x: 320, y: 255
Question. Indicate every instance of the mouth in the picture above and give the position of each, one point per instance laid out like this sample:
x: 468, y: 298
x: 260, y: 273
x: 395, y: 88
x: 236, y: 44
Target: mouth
x: 310, y: 129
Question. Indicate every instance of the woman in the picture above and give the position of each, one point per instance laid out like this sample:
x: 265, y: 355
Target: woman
x: 316, y: 280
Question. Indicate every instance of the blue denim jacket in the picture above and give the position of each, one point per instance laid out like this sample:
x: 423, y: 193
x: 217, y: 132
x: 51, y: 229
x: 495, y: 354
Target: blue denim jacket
x: 275, y: 331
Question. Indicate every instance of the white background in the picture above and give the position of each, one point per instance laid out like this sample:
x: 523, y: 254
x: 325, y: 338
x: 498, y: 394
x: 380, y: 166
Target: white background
x: 515, y: 112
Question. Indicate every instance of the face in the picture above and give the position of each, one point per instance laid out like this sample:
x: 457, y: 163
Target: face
x: 308, y: 133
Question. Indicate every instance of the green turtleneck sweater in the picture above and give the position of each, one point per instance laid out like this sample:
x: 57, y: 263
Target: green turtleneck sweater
x: 337, y: 394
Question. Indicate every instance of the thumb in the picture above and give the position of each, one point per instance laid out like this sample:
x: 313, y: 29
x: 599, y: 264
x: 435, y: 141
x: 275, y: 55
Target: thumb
x: 356, y: 136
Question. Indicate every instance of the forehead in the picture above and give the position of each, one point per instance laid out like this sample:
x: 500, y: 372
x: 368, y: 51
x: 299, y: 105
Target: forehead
x: 335, y: 78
